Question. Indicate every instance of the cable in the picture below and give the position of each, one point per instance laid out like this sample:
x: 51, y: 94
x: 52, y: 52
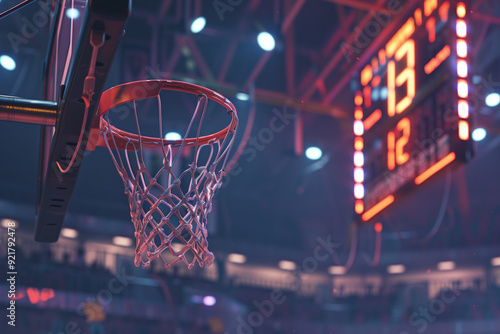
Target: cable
x: 442, y: 210
x: 352, y: 251
x: 439, y: 219
x: 15, y: 8
x: 246, y: 134
x: 70, y: 48
x: 377, y: 252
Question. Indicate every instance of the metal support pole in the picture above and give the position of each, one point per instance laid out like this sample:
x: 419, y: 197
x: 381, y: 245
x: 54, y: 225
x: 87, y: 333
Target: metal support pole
x: 15, y: 109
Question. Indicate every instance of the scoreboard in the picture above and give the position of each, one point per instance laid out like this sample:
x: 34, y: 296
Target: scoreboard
x: 411, y: 117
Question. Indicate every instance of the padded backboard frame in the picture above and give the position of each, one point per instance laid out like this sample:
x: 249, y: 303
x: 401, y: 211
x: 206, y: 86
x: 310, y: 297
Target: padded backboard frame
x: 56, y: 188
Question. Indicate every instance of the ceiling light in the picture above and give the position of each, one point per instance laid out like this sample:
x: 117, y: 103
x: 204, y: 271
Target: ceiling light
x: 266, y: 41
x: 198, y: 25
x: 446, y: 265
x: 122, y: 241
x: 9, y: 223
x: 209, y: 300
x: 72, y: 13
x: 314, y: 153
x: 242, y: 96
x: 479, y: 134
x: 396, y: 269
x: 7, y: 62
x: 236, y: 258
x: 495, y: 262
x: 492, y: 100
x: 287, y: 265
x: 69, y: 233
x: 337, y: 270
x: 173, y: 136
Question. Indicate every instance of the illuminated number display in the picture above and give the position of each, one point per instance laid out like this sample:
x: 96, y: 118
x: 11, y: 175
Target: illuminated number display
x: 411, y: 108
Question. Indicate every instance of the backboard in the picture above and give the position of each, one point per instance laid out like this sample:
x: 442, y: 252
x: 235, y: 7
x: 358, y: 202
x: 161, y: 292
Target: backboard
x: 83, y: 39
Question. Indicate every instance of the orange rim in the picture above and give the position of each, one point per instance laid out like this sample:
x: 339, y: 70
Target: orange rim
x: 143, y: 89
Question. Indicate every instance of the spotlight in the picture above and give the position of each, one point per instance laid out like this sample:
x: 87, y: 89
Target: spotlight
x: 242, y: 96
x: 72, y: 13
x: 337, y: 270
x: 198, y: 25
x: 237, y: 258
x: 122, y: 241
x: 396, y: 269
x: 446, y: 265
x: 7, y: 62
x: 384, y: 92
x: 69, y: 233
x: 173, y: 136
x: 287, y: 265
x: 479, y: 134
x: 314, y: 153
x: 266, y: 41
x: 6, y: 223
x: 209, y: 300
x: 492, y: 100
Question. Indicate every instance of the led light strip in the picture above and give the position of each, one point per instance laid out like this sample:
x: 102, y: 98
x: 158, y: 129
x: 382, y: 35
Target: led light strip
x: 359, y: 158
x: 462, y: 72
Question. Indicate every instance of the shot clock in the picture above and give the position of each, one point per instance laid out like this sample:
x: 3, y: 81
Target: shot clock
x: 411, y: 107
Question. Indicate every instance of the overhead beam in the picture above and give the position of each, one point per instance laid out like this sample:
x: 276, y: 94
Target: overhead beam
x: 257, y: 69
x: 289, y: 32
x: 291, y: 15
x: 486, y: 18
x: 364, y: 5
x: 164, y: 7
x: 335, y: 60
x: 269, y: 97
x: 251, y: 7
x: 368, y: 52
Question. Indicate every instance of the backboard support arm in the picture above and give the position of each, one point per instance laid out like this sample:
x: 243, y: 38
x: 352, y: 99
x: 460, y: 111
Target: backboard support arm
x: 108, y: 17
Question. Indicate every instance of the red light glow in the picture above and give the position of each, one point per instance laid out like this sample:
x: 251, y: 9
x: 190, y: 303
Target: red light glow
x: 430, y: 6
x: 358, y: 144
x: 431, y: 29
x: 435, y: 168
x: 377, y: 208
x: 372, y: 119
x: 436, y: 61
x: 463, y: 109
x: 461, y: 10
x: 359, y: 207
x: 443, y: 11
x: 463, y: 130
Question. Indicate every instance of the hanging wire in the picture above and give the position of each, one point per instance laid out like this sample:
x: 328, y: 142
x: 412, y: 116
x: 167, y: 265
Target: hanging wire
x: 439, y: 219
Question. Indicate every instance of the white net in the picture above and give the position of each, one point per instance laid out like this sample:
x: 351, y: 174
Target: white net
x: 169, y: 203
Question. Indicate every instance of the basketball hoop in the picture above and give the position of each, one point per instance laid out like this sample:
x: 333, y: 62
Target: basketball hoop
x: 168, y: 209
